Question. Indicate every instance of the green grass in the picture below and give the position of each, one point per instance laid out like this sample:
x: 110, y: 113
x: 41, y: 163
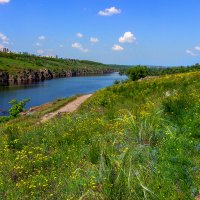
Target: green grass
x: 14, y: 63
x: 137, y: 140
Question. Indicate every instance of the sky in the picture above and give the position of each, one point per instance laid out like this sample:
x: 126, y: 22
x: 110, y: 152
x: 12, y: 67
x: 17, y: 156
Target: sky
x: 146, y: 32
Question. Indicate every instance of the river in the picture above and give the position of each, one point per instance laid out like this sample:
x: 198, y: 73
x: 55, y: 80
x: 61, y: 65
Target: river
x: 50, y: 90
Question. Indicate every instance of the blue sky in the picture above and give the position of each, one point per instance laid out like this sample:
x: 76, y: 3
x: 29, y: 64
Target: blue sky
x: 152, y: 32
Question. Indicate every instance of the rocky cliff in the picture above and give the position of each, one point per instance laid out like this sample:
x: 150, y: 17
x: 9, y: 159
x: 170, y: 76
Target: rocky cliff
x: 27, y: 76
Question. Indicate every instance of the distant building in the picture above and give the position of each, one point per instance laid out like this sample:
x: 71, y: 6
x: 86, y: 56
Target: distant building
x: 25, y: 53
x: 4, y: 50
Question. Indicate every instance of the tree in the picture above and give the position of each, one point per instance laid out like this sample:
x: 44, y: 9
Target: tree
x: 137, y: 72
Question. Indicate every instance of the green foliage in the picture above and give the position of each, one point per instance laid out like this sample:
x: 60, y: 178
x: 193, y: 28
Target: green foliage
x: 4, y: 119
x: 117, y: 82
x: 17, y: 107
x: 13, y: 63
x: 157, y: 71
x: 137, y: 72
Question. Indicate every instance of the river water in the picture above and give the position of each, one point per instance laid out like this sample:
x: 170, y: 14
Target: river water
x: 50, y: 90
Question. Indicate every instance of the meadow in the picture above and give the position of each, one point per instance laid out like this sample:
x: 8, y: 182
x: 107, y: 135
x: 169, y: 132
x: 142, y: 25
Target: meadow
x: 134, y: 140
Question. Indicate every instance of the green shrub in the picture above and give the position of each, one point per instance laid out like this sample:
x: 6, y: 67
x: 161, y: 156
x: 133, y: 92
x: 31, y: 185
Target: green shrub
x: 117, y: 82
x: 17, y: 107
x: 4, y: 119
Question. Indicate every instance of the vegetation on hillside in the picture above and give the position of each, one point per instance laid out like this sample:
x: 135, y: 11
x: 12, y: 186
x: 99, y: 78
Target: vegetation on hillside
x: 139, y: 71
x: 13, y: 63
x: 157, y: 71
x: 136, y: 140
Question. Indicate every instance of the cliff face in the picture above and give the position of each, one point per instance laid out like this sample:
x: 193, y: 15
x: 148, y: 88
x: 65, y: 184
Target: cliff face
x: 27, y: 76
x: 4, y: 77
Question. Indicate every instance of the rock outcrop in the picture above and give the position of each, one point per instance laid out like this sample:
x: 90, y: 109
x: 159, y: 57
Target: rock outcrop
x: 4, y: 77
x: 27, y: 76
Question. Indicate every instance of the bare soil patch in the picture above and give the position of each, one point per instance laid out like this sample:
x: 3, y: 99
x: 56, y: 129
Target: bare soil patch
x: 69, y: 108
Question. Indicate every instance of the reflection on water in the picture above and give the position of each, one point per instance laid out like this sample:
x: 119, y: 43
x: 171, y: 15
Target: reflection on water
x: 50, y: 90
x: 4, y: 113
x: 12, y: 86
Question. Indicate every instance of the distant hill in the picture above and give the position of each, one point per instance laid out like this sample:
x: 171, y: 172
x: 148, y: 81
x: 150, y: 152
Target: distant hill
x: 25, y: 67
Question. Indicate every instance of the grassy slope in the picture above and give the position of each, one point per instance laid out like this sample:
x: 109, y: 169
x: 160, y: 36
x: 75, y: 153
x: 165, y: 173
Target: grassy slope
x: 138, y: 140
x: 12, y: 63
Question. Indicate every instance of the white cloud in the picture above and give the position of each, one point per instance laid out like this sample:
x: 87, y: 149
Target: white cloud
x: 4, y: 38
x: 79, y: 35
x: 94, y: 40
x: 1, y: 46
x: 117, y: 48
x: 197, y: 48
x: 109, y: 11
x: 127, y: 37
x: 4, y: 1
x: 61, y: 45
x: 42, y: 37
x: 38, y: 44
x: 79, y: 46
x: 40, y: 51
x: 190, y: 52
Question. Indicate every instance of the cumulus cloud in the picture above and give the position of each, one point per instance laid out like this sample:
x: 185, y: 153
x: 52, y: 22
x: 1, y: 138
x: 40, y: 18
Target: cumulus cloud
x: 197, y: 48
x: 38, y: 44
x: 4, y: 38
x: 128, y: 37
x: 109, y: 11
x: 94, y: 40
x: 4, y: 1
x: 117, y: 48
x: 190, y: 52
x: 79, y: 46
x: 79, y: 35
x: 42, y: 37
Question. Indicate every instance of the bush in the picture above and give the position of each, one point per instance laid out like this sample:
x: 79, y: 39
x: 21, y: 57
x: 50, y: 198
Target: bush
x: 17, y: 107
x: 4, y: 119
x: 117, y: 82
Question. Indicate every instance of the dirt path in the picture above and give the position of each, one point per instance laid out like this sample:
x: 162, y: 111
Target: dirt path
x: 70, y: 107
